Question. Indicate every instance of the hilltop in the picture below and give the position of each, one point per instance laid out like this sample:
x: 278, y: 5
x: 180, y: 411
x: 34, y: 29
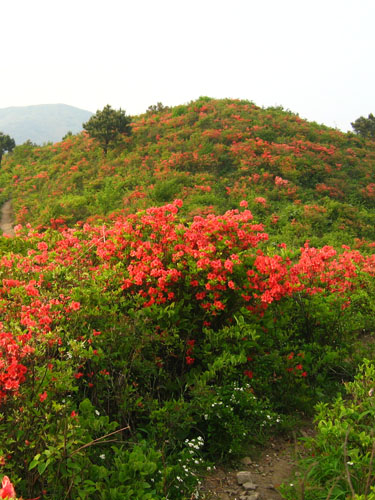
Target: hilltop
x: 41, y: 123
x: 301, y: 179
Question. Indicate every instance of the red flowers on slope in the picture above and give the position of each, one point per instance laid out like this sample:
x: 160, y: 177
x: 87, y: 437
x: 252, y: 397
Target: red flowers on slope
x: 213, y: 263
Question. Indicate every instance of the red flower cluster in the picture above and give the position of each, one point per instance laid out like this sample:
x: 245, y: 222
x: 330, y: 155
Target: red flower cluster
x: 189, y: 350
x: 7, y: 490
x: 214, y: 263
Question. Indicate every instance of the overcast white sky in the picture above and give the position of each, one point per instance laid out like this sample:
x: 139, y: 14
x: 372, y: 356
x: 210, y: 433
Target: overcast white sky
x: 315, y: 57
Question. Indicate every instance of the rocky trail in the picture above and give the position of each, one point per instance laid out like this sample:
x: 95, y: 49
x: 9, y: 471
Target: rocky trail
x: 6, y: 220
x: 260, y: 478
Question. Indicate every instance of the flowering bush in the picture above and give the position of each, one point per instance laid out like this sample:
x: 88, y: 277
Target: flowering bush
x: 127, y: 336
x: 114, y: 333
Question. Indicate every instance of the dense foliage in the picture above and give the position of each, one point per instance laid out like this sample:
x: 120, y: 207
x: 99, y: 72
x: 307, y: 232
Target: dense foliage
x: 185, y: 315
x: 341, y: 458
x: 7, y: 144
x: 107, y: 126
x: 303, y: 181
x: 365, y: 126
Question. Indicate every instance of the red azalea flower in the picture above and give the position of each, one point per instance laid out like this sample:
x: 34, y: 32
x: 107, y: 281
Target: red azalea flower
x: 7, y: 490
x: 75, y: 306
x: 43, y: 396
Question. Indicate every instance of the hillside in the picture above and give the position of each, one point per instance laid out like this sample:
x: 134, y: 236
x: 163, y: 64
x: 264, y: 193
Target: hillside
x: 41, y: 123
x: 300, y: 179
x: 177, y: 302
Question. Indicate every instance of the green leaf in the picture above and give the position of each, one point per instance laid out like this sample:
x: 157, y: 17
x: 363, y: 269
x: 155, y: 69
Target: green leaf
x: 42, y: 467
x: 33, y: 463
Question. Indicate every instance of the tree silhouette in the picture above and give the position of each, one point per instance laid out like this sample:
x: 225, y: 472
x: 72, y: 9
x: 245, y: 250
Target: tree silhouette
x: 365, y: 126
x: 7, y: 144
x: 107, y: 126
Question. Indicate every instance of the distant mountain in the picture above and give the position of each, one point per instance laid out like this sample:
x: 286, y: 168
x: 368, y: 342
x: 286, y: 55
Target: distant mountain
x: 41, y: 123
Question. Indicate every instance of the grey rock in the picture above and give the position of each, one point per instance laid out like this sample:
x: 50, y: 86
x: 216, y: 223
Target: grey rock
x: 244, y: 476
x: 246, y: 461
x: 249, y: 486
x: 253, y: 496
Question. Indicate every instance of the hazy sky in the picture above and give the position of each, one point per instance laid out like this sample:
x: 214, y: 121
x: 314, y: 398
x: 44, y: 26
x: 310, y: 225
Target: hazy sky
x: 315, y: 58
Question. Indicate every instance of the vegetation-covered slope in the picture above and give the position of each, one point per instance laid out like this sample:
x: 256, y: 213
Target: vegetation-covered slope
x: 299, y: 178
x: 184, y: 317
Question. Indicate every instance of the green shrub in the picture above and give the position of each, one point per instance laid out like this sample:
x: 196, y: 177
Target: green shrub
x: 340, y: 464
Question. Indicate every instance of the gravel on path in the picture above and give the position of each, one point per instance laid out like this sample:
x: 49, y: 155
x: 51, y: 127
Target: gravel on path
x: 6, y: 221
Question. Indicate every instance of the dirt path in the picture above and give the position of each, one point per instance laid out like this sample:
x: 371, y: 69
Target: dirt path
x: 6, y: 221
x: 274, y: 466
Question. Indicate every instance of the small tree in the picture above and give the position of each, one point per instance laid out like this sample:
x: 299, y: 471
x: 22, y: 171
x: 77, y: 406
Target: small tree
x: 107, y: 126
x: 365, y: 126
x: 156, y: 108
x: 67, y: 135
x: 7, y: 144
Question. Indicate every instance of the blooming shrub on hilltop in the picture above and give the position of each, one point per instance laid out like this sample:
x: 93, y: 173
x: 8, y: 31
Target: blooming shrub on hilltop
x: 212, y: 159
